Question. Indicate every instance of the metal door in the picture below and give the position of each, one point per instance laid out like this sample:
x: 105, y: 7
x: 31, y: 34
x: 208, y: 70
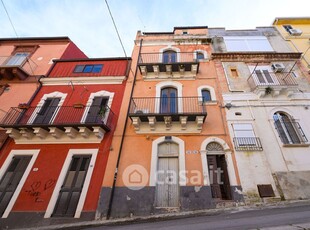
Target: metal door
x: 47, y: 111
x: 11, y: 179
x: 167, y: 187
x: 97, y: 110
x: 71, y: 189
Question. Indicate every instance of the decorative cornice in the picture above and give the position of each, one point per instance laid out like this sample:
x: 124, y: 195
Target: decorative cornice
x: 255, y: 56
x: 83, y: 80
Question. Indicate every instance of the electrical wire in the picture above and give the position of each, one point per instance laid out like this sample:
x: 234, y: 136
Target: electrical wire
x: 7, y: 13
x: 115, y: 27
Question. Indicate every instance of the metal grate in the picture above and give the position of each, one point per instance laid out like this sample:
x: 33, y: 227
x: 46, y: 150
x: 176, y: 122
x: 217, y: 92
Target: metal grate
x: 265, y: 190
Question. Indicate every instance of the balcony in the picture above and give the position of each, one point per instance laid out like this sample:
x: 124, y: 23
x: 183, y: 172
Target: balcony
x: 168, y: 114
x: 264, y: 83
x: 19, y: 67
x: 247, y: 144
x: 57, y: 122
x: 172, y: 65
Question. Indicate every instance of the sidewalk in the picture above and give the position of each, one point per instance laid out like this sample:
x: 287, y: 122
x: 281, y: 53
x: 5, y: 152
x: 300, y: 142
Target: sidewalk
x: 169, y: 216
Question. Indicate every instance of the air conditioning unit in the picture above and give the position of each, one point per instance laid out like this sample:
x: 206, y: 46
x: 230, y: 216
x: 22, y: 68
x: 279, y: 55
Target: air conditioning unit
x: 295, y: 32
x: 277, y: 67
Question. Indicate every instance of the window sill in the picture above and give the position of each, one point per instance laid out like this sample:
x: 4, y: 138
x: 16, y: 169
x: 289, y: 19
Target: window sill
x: 295, y: 145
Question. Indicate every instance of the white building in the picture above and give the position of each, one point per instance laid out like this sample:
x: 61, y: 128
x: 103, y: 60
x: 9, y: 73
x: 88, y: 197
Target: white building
x: 267, y: 101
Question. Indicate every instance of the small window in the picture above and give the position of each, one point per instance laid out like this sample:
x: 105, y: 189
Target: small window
x: 287, y: 27
x: 78, y: 69
x: 97, y: 68
x: 206, y: 96
x: 200, y: 56
x: 234, y: 72
x: 88, y: 69
x: 185, y: 32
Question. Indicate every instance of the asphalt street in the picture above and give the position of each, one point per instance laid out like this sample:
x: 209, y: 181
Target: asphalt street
x: 246, y: 219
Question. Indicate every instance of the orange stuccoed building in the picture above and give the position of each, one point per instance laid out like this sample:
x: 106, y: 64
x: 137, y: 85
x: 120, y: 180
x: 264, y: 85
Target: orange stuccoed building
x: 175, y: 154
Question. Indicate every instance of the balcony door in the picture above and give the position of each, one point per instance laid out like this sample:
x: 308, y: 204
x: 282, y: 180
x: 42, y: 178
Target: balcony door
x: 97, y: 110
x: 264, y: 77
x: 169, y: 100
x: 169, y: 56
x: 48, y: 111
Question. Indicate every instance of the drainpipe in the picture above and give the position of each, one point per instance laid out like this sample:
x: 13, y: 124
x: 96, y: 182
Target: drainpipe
x: 122, y: 141
x: 37, y: 90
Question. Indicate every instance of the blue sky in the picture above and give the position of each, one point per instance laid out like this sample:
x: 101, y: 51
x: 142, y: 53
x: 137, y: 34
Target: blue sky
x: 88, y: 23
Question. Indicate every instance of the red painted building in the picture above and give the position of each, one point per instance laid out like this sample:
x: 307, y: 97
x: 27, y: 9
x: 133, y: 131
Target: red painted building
x: 61, y: 143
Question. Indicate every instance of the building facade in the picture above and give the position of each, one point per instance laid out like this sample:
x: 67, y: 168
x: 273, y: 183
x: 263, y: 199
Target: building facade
x: 22, y: 62
x: 296, y: 32
x: 176, y: 140
x: 267, y: 112
x: 61, y: 143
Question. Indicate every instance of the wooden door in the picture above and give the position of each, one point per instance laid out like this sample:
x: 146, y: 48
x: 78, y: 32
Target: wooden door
x: 169, y: 100
x: 97, y: 110
x: 47, y: 111
x: 71, y: 189
x: 11, y: 179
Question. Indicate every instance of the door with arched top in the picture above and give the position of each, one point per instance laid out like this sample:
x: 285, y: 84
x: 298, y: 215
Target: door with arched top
x: 169, y: 56
x: 167, y: 184
x: 169, y: 100
x: 218, y: 174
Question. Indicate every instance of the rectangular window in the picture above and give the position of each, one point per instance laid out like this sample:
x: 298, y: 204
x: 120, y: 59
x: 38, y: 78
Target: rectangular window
x: 287, y: 27
x: 245, y: 139
x: 88, y: 68
x: 247, y: 43
x: 97, y: 68
x: 78, y: 69
x: 243, y: 130
x: 234, y: 72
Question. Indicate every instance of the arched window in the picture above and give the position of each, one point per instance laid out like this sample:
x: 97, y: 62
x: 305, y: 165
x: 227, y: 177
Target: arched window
x: 289, y: 130
x: 169, y: 56
x: 168, y: 100
x: 206, y: 95
x: 200, y: 55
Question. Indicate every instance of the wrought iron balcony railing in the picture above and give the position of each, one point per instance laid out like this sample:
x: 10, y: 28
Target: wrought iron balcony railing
x: 167, y: 106
x: 59, y: 116
x: 171, y: 62
x: 24, y: 64
x: 290, y: 132
x: 266, y: 78
x: 247, y: 144
x: 181, y: 57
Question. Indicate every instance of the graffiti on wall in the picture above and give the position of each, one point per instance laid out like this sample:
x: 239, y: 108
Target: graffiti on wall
x: 37, y: 188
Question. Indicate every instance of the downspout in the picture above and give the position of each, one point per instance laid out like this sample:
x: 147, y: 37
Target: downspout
x: 37, y: 90
x: 122, y: 140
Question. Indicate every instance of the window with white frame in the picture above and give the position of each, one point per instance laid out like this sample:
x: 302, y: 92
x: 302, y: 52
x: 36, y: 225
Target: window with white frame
x: 206, y: 94
x: 290, y: 132
x: 247, y: 43
x: 263, y: 75
x: 244, y: 134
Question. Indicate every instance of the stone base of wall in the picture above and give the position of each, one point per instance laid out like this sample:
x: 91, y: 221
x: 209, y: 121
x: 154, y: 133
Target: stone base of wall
x: 128, y: 202
x: 37, y: 220
x: 294, y: 185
